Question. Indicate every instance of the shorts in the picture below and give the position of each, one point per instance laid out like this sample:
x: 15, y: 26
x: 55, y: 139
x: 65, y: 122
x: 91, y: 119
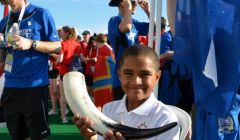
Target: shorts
x: 89, y: 80
x: 25, y: 112
x: 52, y: 74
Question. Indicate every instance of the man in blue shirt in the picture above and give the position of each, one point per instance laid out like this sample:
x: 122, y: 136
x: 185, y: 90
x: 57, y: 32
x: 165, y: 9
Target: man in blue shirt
x: 31, y: 34
x: 123, y: 32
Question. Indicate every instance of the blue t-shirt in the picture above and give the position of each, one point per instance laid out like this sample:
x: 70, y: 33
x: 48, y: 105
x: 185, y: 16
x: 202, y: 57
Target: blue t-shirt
x: 30, y: 67
x: 119, y: 41
x: 166, y: 42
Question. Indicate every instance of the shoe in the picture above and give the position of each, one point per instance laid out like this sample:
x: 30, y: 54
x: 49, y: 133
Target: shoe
x: 66, y: 112
x: 50, y: 113
x: 65, y: 120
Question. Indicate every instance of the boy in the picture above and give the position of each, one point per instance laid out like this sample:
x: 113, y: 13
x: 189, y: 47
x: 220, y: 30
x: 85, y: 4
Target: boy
x: 138, y: 72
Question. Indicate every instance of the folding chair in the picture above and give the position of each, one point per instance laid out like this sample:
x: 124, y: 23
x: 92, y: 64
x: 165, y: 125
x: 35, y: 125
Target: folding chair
x: 184, y: 121
x: 3, y: 125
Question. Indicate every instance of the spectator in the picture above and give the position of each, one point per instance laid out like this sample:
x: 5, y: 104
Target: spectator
x: 168, y: 91
x: 69, y: 48
x: 53, y: 75
x: 84, y: 43
x: 102, y: 77
x: 90, y: 59
x: 25, y: 95
x: 79, y: 38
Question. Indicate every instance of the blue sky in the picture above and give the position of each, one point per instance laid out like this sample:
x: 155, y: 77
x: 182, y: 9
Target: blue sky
x: 84, y: 14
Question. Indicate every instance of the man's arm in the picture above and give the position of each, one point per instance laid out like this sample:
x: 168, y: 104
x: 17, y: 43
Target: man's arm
x: 167, y: 55
x: 171, y: 13
x: 41, y: 46
x: 125, y: 9
x: 48, y: 47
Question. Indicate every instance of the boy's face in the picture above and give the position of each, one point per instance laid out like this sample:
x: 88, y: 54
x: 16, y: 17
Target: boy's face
x: 138, y: 77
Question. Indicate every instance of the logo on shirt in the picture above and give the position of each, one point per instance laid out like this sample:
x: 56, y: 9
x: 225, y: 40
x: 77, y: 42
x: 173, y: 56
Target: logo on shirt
x: 29, y: 23
x: 131, y: 36
x: 142, y: 125
x: 225, y: 125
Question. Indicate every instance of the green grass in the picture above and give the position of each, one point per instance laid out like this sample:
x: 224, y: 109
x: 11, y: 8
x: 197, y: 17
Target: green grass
x: 59, y: 131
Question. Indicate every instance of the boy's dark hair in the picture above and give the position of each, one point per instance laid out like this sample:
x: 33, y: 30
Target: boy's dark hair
x: 140, y: 50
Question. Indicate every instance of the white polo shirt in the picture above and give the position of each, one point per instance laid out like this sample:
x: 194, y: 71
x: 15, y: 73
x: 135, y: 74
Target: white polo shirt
x: 151, y: 114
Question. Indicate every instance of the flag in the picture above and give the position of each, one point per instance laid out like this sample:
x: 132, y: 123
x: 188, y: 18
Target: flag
x: 207, y: 45
x: 207, y: 50
x: 102, y: 80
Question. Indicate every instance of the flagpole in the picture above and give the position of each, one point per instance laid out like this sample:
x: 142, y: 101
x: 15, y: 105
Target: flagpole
x: 158, y: 27
x: 152, y: 23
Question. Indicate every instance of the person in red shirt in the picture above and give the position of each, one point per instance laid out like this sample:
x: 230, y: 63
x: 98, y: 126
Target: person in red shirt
x: 69, y: 48
x: 102, y: 77
x: 53, y: 74
x: 84, y: 44
x: 90, y: 59
x: 86, y: 36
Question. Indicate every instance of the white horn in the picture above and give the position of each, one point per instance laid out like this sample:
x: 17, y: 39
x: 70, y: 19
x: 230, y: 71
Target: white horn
x: 79, y: 102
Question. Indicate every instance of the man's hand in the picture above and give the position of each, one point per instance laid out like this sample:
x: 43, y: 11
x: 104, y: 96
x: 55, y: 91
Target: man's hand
x: 144, y: 4
x: 21, y: 42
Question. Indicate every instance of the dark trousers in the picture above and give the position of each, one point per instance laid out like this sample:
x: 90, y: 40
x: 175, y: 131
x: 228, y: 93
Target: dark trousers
x: 187, y: 98
x: 1, y: 115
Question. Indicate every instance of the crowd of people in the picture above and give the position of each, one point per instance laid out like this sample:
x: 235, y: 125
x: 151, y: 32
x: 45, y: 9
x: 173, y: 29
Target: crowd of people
x: 120, y: 71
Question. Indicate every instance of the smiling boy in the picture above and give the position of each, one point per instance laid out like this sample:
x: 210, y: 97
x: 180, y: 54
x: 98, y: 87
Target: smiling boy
x: 138, y: 73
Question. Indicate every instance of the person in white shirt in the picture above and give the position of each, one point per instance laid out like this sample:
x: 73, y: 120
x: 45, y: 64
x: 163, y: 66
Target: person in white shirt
x: 139, y: 73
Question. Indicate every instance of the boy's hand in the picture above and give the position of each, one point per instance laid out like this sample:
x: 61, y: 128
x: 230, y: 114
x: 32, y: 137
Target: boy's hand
x: 83, y: 123
x: 111, y: 136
